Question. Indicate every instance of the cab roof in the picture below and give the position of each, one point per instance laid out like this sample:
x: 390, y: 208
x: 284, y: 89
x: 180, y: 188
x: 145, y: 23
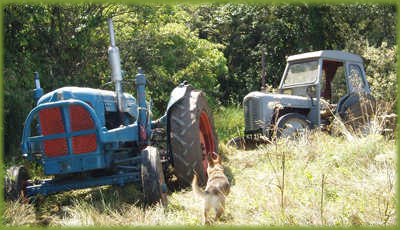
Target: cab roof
x: 327, y: 54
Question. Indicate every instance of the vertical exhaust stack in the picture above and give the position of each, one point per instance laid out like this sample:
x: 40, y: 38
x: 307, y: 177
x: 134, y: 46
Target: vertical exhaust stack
x: 116, y: 76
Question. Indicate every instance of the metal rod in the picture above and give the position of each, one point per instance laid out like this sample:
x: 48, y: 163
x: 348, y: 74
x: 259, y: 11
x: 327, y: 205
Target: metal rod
x: 263, y: 70
x: 116, y: 75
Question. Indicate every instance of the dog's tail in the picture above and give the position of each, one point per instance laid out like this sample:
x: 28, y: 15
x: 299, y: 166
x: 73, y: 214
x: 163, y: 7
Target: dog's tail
x: 196, y: 189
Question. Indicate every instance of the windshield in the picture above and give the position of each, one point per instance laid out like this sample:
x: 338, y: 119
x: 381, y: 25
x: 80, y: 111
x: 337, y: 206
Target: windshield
x: 301, y: 73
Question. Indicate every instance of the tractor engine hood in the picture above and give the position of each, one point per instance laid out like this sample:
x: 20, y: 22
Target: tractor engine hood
x: 259, y: 108
x: 101, y: 100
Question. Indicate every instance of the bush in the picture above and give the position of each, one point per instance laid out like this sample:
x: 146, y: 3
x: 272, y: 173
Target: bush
x: 380, y: 68
x: 170, y: 54
x: 229, y: 122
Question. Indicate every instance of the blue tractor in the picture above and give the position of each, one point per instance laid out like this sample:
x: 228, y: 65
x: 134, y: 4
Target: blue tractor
x: 86, y: 137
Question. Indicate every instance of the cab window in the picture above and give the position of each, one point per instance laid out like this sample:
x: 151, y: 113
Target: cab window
x: 355, y: 78
x: 301, y: 73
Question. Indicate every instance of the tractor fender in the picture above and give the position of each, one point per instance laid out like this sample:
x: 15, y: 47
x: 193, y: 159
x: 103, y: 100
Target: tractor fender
x: 178, y: 94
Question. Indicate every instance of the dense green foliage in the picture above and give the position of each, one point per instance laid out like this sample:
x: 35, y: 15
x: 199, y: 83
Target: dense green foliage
x: 216, y: 47
x: 62, y: 43
x: 229, y: 122
x: 169, y: 53
x: 285, y: 30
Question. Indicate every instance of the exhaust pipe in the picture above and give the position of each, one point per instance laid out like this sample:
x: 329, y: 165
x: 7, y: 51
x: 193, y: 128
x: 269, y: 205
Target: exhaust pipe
x: 116, y: 76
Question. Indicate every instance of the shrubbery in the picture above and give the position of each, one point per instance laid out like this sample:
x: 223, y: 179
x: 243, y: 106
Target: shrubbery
x: 215, y: 47
x: 171, y: 54
x: 380, y: 68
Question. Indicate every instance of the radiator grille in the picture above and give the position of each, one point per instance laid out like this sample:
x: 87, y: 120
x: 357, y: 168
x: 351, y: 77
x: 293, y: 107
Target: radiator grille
x: 51, y: 122
x: 252, y: 114
x: 81, y: 120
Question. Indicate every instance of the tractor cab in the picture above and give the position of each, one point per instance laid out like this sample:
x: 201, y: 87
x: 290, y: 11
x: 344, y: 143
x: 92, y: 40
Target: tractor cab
x: 327, y: 77
x: 314, y: 87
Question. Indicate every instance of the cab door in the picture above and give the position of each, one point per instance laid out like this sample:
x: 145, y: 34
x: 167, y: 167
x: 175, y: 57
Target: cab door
x: 358, y: 106
x: 356, y: 78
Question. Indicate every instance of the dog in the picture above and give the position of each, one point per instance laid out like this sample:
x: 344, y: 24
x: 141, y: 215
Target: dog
x: 217, y: 189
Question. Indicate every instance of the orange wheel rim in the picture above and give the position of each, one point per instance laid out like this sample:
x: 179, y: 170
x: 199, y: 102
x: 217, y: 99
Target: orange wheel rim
x: 206, y: 139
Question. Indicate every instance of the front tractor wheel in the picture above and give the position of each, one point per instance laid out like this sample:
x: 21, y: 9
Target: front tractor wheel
x: 15, y: 183
x: 291, y: 125
x: 153, y: 181
x: 192, y: 136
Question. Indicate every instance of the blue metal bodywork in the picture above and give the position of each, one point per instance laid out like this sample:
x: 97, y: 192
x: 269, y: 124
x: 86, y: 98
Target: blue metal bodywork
x: 115, y: 125
x: 134, y: 130
x: 49, y: 186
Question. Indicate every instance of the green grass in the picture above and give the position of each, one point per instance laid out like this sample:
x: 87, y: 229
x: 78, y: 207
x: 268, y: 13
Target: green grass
x: 229, y: 122
x: 317, y: 180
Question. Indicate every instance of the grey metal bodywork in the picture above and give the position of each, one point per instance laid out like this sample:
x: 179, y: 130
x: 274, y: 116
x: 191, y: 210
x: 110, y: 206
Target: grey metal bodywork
x: 327, y: 54
x: 260, y: 107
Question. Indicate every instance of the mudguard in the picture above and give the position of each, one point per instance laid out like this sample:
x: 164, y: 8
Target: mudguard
x: 178, y: 94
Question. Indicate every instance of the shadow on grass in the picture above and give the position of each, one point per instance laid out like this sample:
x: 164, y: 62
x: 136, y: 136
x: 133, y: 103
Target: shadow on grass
x: 228, y: 173
x: 100, y: 199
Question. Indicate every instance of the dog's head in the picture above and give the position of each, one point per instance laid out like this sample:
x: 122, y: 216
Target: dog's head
x: 213, y: 163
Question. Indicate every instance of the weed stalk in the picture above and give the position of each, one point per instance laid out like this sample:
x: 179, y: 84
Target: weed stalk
x: 323, y: 178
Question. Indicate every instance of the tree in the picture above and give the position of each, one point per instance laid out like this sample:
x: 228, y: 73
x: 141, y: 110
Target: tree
x: 61, y: 42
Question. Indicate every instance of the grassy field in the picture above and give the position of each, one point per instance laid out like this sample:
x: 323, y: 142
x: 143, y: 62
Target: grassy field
x: 319, y: 179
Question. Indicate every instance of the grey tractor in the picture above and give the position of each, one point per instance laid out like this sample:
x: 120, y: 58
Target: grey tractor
x: 315, y: 87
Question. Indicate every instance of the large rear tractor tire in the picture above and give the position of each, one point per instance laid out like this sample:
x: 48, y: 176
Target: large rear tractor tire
x: 153, y: 181
x: 15, y: 183
x: 192, y: 137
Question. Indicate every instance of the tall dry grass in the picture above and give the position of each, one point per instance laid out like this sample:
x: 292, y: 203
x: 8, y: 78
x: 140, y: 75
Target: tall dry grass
x: 315, y: 180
